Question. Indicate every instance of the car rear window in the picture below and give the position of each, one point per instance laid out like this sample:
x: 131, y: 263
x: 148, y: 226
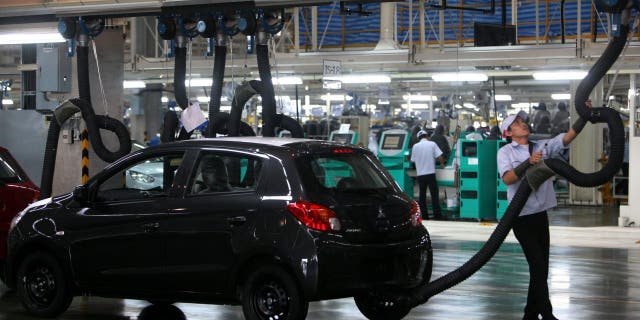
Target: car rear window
x: 342, y: 171
x: 9, y: 170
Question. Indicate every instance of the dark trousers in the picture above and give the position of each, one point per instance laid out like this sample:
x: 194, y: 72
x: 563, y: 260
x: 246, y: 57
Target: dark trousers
x: 532, y: 231
x: 424, y: 181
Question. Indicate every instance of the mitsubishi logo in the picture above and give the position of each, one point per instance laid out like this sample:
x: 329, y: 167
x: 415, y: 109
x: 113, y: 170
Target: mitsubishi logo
x: 381, y: 214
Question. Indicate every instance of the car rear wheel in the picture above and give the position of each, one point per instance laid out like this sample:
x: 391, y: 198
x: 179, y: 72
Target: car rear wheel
x: 42, y: 287
x: 270, y: 293
x: 375, y: 306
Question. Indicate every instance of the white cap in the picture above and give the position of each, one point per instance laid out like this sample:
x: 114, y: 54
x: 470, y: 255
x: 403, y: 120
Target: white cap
x: 504, y: 126
x: 421, y: 133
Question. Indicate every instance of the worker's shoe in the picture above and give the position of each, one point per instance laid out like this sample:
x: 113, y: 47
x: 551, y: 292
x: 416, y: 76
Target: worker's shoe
x: 549, y: 316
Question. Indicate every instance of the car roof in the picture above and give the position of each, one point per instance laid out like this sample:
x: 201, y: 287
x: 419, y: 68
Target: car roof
x: 246, y: 142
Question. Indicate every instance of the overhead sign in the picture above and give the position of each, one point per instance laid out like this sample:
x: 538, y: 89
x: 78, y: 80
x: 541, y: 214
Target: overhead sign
x: 332, y: 69
x: 331, y: 73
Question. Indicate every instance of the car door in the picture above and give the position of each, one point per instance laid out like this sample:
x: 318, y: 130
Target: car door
x: 208, y: 225
x: 116, y: 240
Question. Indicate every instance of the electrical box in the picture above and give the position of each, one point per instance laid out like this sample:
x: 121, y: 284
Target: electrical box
x: 54, y: 68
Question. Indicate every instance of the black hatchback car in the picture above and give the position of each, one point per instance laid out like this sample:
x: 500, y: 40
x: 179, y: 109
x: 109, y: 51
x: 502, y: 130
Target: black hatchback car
x: 267, y: 223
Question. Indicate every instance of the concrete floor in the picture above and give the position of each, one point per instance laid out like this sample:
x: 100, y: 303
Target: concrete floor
x: 593, y: 275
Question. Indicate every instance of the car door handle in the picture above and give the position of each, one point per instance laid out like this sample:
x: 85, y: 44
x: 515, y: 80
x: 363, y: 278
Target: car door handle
x: 236, y: 221
x: 151, y: 227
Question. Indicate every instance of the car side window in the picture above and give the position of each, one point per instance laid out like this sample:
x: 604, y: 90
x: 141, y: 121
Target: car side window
x: 148, y: 178
x: 217, y: 173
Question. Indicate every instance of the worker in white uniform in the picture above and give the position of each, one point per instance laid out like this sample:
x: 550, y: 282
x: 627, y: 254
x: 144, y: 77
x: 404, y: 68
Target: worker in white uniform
x: 531, y: 228
x: 424, y: 154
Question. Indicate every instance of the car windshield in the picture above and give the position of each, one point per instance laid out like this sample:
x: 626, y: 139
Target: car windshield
x: 343, y: 172
x: 9, y: 170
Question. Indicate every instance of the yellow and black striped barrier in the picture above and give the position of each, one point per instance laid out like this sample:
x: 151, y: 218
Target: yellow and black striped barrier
x: 85, y: 155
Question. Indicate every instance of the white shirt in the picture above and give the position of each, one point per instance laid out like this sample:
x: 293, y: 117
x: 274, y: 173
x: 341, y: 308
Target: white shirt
x: 424, y: 154
x: 512, y: 154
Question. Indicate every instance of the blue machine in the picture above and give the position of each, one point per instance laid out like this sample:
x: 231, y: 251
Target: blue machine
x: 394, y: 154
x: 350, y: 137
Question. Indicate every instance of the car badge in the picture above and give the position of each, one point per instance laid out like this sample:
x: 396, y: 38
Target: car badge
x: 381, y: 214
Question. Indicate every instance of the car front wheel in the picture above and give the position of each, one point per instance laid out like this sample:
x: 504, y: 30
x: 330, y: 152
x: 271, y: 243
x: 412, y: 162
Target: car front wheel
x: 42, y: 287
x: 270, y: 293
x: 375, y: 306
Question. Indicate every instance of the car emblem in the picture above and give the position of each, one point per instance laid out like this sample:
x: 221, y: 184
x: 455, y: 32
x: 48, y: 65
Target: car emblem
x: 381, y: 214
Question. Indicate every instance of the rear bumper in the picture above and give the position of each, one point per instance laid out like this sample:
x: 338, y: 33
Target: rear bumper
x: 345, y: 269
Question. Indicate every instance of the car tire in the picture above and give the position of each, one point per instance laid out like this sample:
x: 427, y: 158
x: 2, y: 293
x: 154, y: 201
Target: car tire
x: 374, y: 306
x: 42, y: 287
x: 271, y: 293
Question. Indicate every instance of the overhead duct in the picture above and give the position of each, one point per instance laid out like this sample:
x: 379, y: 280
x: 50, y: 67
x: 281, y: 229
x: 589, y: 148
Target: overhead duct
x: 387, y: 27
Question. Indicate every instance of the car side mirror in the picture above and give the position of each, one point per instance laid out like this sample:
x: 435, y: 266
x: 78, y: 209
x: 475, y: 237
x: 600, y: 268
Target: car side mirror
x: 80, y: 194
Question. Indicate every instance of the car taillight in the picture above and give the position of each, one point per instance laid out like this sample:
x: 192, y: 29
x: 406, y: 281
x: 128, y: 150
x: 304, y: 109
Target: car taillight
x: 314, y: 216
x: 416, y: 215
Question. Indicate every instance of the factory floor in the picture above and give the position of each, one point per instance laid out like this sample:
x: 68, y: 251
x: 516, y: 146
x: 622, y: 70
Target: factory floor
x: 594, y: 274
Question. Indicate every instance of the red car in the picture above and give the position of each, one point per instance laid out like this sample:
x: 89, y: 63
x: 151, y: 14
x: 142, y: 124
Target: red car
x: 16, y: 192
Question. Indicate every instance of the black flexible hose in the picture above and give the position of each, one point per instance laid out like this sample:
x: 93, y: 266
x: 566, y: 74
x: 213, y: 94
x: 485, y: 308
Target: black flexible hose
x: 82, y: 63
x: 422, y: 294
x: 169, y: 127
x: 179, y: 77
x: 243, y: 93
x: 221, y: 121
x: 216, y: 87
x: 94, y: 124
x: 542, y: 172
x: 50, y: 153
x: 268, y: 96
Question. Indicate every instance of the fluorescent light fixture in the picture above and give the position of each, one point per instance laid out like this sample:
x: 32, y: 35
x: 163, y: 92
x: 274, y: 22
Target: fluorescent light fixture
x: 199, y: 82
x: 335, y: 97
x: 133, y: 84
x: 383, y: 101
x: 203, y: 99
x: 612, y: 97
x: 361, y: 78
x: 31, y: 37
x: 459, y: 77
x: 560, y: 75
x: 503, y: 97
x: 470, y: 106
x: 7, y: 102
x: 415, y: 106
x: 288, y: 80
x: 560, y: 96
x: 164, y: 99
x: 419, y: 97
x: 521, y: 106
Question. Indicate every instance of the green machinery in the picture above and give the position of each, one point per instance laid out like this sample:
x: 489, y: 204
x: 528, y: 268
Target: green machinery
x: 349, y: 137
x: 394, y: 153
x: 478, y: 172
x: 501, y: 197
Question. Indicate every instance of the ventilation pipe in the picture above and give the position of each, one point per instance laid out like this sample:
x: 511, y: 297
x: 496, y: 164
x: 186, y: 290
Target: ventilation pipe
x: 387, y: 27
x: 245, y: 92
x: 540, y: 173
x: 268, y: 96
x: 216, y: 85
x: 94, y: 123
